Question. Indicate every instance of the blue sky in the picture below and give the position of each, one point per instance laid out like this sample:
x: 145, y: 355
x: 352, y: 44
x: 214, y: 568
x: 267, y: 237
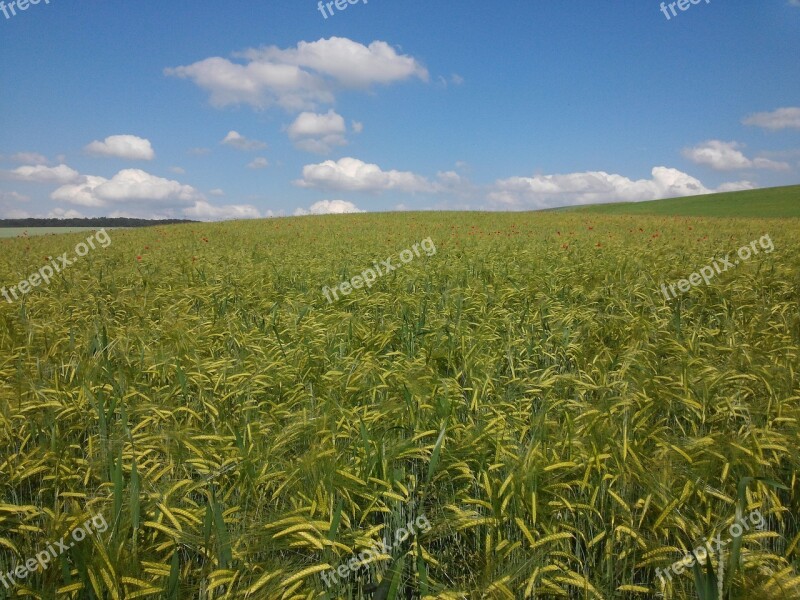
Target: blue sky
x: 212, y: 110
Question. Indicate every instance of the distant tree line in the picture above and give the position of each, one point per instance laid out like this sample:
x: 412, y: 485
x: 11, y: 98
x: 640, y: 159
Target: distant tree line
x: 93, y: 222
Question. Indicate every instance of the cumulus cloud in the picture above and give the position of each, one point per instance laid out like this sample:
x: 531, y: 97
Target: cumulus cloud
x: 258, y: 163
x: 9, y: 202
x: 13, y: 213
x: 29, y: 158
x: 236, y: 140
x: 130, y: 147
x: 129, y: 185
x: 736, y: 186
x: 299, y: 78
x: 129, y: 193
x: 13, y: 197
x: 42, y: 174
x: 548, y: 191
x: 203, y: 211
x: 320, y: 146
x: 349, y: 63
x: 351, y: 174
x: 727, y: 156
x: 453, y: 183
x: 329, y: 207
x: 60, y: 213
x: 7, y: 212
x: 308, y: 124
x: 318, y: 133
x: 782, y: 118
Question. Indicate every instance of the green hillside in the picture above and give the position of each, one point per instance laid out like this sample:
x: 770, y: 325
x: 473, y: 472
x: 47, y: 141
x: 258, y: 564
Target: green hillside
x: 768, y: 202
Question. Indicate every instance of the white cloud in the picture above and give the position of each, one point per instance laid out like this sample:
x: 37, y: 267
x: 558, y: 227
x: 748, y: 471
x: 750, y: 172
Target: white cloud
x: 136, y: 193
x: 329, y: 207
x: 9, y: 202
x: 236, y: 140
x: 199, y: 151
x: 318, y: 133
x: 60, y: 213
x: 299, y: 78
x: 203, y: 211
x: 42, y: 174
x: 309, y: 124
x: 55, y: 213
x: 130, y: 147
x: 453, y: 183
x: 765, y: 163
x: 357, y: 126
x: 258, y: 163
x: 30, y: 158
x: 132, y: 193
x: 547, y: 191
x: 321, y: 146
x: 351, y: 174
x: 782, y: 118
x: 726, y: 156
x: 14, y: 213
x: 82, y: 193
x: 351, y: 64
x: 127, y: 186
x: 178, y: 170
x: 13, y: 197
x: 736, y: 186
x: 216, y: 192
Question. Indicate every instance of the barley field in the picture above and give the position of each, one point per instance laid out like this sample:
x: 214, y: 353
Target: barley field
x: 527, y: 390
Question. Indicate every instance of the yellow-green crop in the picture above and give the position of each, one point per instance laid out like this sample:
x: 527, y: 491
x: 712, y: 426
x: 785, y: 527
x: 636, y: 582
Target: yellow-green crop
x: 564, y: 428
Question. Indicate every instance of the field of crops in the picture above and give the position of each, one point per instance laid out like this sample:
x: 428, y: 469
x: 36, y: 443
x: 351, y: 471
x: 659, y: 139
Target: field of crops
x: 527, y: 390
